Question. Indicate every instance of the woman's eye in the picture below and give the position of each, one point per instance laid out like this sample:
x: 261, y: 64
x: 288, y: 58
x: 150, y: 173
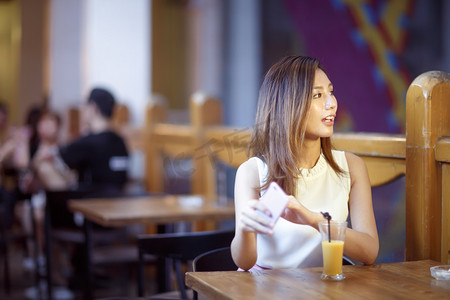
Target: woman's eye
x: 317, y: 96
x: 332, y: 93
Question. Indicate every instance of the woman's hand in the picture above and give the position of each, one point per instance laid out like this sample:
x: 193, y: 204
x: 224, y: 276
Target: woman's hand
x: 296, y: 212
x: 255, y: 218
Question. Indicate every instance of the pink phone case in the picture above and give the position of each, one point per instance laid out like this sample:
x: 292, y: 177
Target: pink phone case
x: 276, y: 200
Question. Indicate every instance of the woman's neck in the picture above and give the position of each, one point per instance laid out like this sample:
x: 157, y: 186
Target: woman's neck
x: 309, y: 154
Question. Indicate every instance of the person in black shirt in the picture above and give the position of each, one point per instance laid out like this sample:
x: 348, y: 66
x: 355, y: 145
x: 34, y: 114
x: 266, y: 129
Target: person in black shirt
x: 100, y: 157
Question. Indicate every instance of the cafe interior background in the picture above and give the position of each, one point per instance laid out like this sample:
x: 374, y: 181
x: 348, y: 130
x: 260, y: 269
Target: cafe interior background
x: 54, y: 51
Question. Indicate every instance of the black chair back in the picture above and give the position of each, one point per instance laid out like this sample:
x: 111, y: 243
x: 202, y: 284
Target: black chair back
x: 180, y: 247
x: 214, y: 260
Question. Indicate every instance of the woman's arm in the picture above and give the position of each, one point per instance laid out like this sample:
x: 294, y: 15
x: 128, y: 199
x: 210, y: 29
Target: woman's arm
x: 248, y: 220
x: 361, y: 242
x: 6, y: 151
x: 51, y: 171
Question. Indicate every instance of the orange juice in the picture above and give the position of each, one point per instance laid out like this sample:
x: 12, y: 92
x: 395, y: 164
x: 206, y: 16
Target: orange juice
x: 332, y: 257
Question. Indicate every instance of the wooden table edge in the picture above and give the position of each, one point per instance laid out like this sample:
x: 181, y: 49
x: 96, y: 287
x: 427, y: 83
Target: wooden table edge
x: 75, y: 208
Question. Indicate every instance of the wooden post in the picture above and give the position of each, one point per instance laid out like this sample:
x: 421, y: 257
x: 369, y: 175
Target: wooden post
x: 204, y: 111
x: 427, y: 119
x: 156, y: 112
x: 443, y: 156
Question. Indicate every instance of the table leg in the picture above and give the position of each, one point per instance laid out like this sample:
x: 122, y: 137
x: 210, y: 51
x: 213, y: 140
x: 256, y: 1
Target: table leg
x: 163, y: 274
x: 4, y: 253
x: 88, y: 248
x: 36, y: 250
x: 163, y: 264
x: 48, y: 252
x: 141, y: 266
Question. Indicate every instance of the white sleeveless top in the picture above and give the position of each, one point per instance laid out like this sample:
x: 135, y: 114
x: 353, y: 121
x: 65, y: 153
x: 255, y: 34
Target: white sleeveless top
x: 319, y: 189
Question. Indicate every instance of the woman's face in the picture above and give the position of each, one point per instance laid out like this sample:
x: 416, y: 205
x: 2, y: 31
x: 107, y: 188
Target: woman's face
x: 323, y: 108
x: 48, y: 128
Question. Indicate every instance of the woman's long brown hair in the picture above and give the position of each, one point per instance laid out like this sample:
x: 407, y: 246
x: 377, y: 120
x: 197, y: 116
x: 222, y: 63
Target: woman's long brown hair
x: 283, y: 107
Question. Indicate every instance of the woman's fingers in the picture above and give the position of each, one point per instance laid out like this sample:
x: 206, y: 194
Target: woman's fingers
x: 256, y: 218
x: 251, y: 226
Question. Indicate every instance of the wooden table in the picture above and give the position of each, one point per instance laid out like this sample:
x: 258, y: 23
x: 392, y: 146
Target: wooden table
x: 405, y: 280
x: 119, y: 212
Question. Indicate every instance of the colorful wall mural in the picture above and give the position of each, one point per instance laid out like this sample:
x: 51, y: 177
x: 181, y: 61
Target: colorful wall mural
x: 359, y: 44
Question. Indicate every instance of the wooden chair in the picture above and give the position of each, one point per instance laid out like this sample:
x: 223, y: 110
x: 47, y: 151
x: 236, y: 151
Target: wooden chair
x: 175, y: 141
x: 167, y: 144
x: 180, y: 247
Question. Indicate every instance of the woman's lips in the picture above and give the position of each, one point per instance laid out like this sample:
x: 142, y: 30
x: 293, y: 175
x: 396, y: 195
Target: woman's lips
x: 329, y: 120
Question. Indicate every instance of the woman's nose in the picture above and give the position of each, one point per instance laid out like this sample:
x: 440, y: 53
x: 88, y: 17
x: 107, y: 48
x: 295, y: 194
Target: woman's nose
x: 330, y: 102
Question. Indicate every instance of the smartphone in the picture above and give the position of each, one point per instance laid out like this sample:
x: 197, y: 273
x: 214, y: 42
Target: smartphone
x: 276, y: 200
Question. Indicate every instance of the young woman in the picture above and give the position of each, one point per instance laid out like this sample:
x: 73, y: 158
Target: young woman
x: 291, y: 146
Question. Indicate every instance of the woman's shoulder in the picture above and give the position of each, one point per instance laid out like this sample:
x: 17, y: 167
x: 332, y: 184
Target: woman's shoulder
x: 353, y: 159
x: 356, y: 166
x: 249, y: 166
x: 248, y: 173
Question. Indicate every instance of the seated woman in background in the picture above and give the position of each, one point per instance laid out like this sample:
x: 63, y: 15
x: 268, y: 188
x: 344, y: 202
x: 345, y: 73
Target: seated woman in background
x: 18, y: 153
x: 47, y: 130
x: 19, y: 146
x: 45, y: 134
x: 291, y: 146
x: 61, y: 176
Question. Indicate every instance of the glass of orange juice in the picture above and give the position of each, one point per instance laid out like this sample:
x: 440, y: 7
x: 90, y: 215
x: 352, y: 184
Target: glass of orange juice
x: 333, y: 235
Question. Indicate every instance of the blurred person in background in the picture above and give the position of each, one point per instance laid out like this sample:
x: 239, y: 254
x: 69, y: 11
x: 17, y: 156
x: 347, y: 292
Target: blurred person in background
x: 100, y: 157
x: 47, y: 136
x: 6, y: 195
x: 16, y: 153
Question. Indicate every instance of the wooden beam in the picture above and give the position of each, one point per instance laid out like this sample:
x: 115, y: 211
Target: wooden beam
x: 371, y: 144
